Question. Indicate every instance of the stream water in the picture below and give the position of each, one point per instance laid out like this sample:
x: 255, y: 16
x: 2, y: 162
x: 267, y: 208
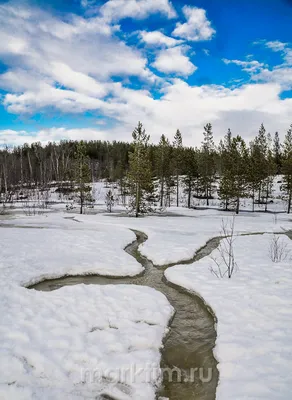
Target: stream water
x: 191, y: 338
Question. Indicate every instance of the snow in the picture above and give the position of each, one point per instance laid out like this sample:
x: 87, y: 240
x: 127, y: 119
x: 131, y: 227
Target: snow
x: 254, y: 313
x: 56, y: 345
x: 48, y: 338
x: 61, y: 247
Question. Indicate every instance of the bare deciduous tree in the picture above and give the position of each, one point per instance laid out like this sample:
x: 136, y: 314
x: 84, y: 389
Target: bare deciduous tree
x: 109, y: 200
x: 278, y: 250
x: 225, y: 263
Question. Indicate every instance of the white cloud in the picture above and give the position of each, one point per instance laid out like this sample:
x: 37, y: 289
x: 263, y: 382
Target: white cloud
x: 185, y: 107
x: 197, y: 27
x: 276, y: 45
x: 248, y: 66
x: 280, y: 74
x: 40, y: 39
x: 158, y: 38
x: 16, y: 138
x: 174, y: 60
x: 115, y: 10
x: 281, y: 47
x: 67, y: 65
x: 47, y: 96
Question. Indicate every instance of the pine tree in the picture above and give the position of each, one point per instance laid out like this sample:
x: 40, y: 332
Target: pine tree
x: 287, y: 167
x: 257, y: 166
x: 261, y: 145
x: 271, y: 170
x: 178, y: 154
x: 207, y: 167
x: 163, y: 165
x: 234, y: 183
x: 140, y: 175
x: 191, y: 171
x: 82, y: 174
x: 225, y: 188
x: 277, y: 153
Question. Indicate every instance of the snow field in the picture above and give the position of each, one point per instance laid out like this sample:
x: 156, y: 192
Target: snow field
x: 82, y: 341
x: 254, y: 313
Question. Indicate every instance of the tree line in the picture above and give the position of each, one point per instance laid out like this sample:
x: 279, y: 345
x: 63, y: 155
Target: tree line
x: 233, y: 168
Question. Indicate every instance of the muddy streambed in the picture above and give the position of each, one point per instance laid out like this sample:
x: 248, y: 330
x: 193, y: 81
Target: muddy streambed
x: 188, y: 347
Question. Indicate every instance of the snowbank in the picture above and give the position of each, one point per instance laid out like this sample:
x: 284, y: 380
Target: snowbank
x: 254, y: 312
x: 82, y: 341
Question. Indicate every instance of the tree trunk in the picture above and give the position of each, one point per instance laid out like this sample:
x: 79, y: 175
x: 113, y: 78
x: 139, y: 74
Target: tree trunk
x: 21, y: 169
x: 162, y: 192
x: 253, y: 196
x: 137, y: 200
x: 267, y: 194
x: 289, y: 201
x: 30, y: 167
x: 177, y: 190
x: 189, y: 195
x: 81, y: 203
x: 237, y: 205
x: 260, y: 190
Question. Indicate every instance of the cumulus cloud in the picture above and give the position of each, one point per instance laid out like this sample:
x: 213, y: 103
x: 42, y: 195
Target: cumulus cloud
x: 174, y: 60
x: 158, y: 38
x: 70, y: 66
x: 197, y: 27
x: 115, y: 10
x: 67, y: 65
x: 185, y: 107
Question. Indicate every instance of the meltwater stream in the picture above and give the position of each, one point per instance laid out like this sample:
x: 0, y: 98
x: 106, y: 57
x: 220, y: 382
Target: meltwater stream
x: 190, y: 341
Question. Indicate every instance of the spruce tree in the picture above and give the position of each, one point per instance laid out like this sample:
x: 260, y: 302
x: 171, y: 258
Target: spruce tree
x: 140, y: 176
x: 178, y: 154
x: 271, y: 170
x: 226, y: 181
x: 207, y: 167
x: 261, y: 145
x: 287, y: 167
x: 163, y: 165
x: 234, y: 179
x: 191, y: 171
x: 277, y: 153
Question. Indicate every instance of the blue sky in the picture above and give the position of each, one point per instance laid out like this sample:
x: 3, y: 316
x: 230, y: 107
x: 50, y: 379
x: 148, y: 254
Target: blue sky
x: 86, y: 69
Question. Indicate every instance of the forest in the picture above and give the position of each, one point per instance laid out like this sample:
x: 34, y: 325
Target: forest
x: 151, y: 173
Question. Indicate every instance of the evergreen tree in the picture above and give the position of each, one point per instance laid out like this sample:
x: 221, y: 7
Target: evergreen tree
x: 225, y: 188
x: 277, y: 153
x: 140, y: 176
x: 163, y: 165
x: 257, y: 166
x: 191, y: 171
x: 287, y: 167
x: 234, y: 183
x: 82, y: 174
x: 271, y: 170
x: 207, y: 167
x: 178, y: 154
x: 261, y: 145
